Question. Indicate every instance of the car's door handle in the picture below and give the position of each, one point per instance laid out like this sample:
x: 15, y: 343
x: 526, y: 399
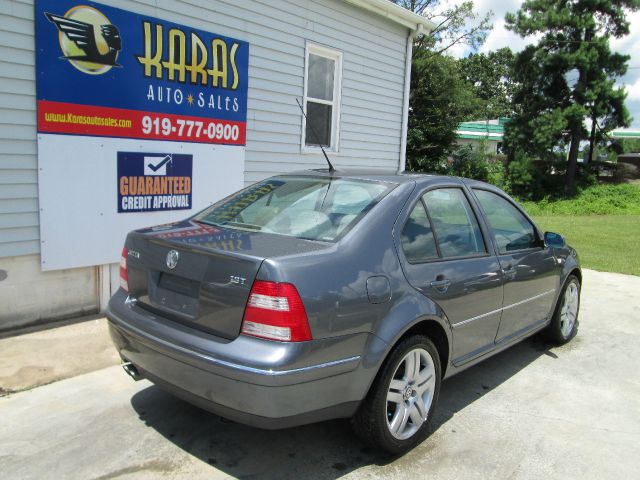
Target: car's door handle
x: 441, y: 285
x: 509, y: 272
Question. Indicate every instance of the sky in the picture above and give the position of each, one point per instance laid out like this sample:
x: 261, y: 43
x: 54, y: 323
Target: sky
x: 501, y: 37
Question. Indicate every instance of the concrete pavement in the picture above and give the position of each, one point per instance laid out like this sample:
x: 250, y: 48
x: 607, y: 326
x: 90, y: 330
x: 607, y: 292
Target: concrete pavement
x: 531, y: 412
x: 41, y: 357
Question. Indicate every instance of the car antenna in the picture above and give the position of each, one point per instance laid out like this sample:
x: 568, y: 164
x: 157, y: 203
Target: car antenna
x: 313, y: 130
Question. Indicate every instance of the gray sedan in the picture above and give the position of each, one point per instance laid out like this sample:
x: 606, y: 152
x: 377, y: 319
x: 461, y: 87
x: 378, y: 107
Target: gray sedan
x: 339, y: 294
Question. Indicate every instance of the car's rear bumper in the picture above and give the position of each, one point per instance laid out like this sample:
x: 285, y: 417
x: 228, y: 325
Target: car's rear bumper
x: 249, y: 380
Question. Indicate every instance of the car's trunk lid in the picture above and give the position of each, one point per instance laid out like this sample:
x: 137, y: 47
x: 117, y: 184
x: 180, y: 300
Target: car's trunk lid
x: 209, y: 285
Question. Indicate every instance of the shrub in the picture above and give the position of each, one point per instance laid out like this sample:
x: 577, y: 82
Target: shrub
x: 469, y: 162
x: 523, y: 176
x: 498, y: 173
x: 536, y: 179
x: 623, y: 199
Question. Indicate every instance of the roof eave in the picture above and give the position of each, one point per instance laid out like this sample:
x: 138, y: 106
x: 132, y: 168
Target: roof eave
x: 395, y: 13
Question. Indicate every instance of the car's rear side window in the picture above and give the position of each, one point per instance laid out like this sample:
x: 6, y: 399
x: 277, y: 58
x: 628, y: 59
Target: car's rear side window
x: 315, y: 208
x: 417, y: 238
x: 442, y: 225
x: 455, y: 225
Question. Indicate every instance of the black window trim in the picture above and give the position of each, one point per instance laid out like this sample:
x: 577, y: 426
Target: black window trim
x: 519, y: 209
x: 440, y: 259
x: 433, y: 230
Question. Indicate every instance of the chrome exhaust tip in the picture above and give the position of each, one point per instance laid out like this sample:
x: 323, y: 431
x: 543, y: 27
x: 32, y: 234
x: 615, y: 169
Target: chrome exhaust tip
x: 132, y: 371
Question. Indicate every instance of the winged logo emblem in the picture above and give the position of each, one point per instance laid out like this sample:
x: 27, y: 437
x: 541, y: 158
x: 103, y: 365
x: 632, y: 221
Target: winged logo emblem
x: 91, y: 45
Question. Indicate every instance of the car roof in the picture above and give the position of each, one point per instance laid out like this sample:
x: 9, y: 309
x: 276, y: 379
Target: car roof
x: 386, y: 175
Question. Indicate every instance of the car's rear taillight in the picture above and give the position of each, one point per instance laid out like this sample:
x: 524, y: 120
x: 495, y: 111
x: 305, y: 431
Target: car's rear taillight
x: 124, y: 274
x: 275, y: 311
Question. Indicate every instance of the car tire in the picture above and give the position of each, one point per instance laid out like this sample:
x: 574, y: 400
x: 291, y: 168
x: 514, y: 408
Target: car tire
x: 397, y: 411
x: 564, y: 323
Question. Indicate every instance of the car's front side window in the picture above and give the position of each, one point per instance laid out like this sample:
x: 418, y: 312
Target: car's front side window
x: 509, y: 226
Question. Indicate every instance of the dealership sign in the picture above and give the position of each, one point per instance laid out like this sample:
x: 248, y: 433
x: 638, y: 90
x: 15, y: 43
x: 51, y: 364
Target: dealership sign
x: 142, y: 118
x: 103, y: 71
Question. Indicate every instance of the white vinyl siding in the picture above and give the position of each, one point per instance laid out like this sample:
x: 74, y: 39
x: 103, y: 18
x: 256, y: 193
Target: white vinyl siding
x: 373, y: 59
x: 19, y: 231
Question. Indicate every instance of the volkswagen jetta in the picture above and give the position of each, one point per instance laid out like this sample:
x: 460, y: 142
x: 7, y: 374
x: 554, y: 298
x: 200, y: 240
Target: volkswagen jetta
x: 335, y: 294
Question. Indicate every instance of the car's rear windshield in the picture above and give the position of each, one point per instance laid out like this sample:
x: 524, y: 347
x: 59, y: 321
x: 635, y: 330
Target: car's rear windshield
x: 314, y: 208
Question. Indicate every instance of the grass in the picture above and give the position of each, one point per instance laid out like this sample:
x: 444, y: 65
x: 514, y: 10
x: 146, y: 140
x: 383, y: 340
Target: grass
x: 609, y: 243
x: 602, y: 222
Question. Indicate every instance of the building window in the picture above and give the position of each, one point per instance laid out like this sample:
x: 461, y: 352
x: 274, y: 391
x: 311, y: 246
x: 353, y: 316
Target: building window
x: 322, y: 80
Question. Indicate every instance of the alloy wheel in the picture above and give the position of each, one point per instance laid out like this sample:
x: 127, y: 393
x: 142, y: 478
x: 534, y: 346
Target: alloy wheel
x: 410, y: 393
x: 569, y: 310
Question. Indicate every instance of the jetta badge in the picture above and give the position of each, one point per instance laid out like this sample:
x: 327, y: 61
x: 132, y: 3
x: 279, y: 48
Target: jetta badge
x: 172, y: 259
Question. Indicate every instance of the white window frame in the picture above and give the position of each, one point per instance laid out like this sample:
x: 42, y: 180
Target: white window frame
x: 336, y: 56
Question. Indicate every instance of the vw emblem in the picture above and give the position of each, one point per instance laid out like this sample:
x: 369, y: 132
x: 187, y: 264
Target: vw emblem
x: 172, y: 259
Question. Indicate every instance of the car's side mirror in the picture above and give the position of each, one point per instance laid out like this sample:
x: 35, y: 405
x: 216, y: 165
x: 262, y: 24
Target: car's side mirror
x: 554, y: 240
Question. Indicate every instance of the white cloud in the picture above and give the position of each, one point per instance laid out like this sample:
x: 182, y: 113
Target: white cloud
x: 500, y: 37
x: 633, y: 91
x: 458, y: 50
x: 498, y: 8
x: 482, y: 7
x: 628, y: 46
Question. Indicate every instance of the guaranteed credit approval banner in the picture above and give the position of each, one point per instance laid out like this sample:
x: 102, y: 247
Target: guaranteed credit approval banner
x: 103, y: 71
x: 141, y: 122
x: 153, y: 182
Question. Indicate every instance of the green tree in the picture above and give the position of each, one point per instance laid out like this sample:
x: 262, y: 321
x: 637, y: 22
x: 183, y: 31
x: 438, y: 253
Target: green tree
x: 440, y: 99
x: 573, y: 44
x: 491, y: 78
